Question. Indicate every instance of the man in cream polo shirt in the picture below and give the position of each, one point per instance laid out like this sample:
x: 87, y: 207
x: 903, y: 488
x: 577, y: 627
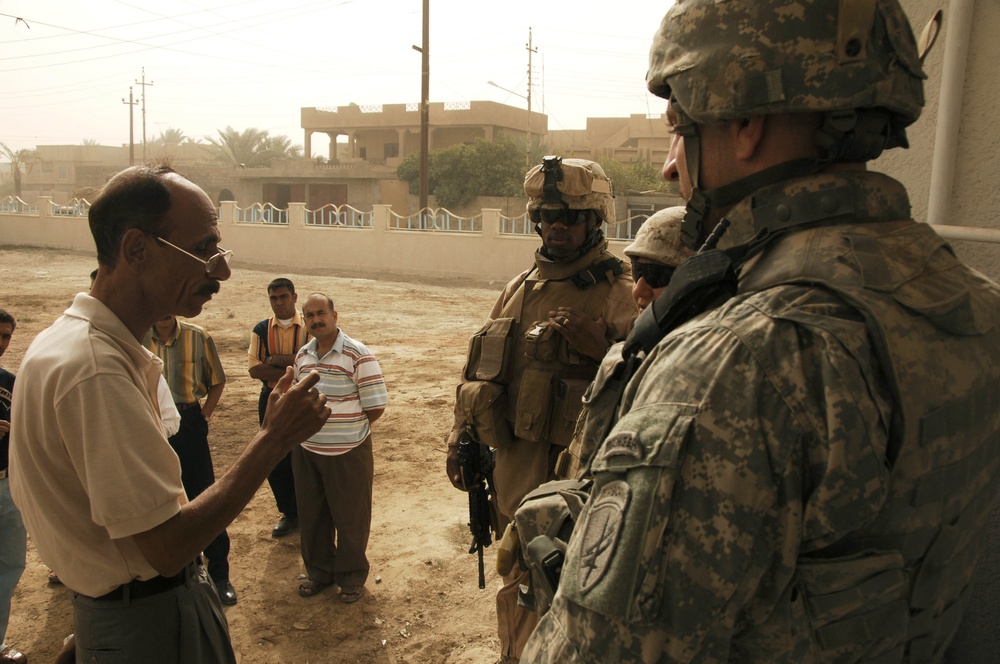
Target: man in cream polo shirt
x: 96, y: 481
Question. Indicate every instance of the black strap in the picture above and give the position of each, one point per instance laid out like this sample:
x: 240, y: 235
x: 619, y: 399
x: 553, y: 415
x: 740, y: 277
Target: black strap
x: 700, y: 283
x: 584, y: 279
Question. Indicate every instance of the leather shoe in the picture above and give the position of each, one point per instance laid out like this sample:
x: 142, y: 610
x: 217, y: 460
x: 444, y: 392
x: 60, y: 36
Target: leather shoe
x: 10, y: 656
x: 284, y: 526
x: 227, y: 593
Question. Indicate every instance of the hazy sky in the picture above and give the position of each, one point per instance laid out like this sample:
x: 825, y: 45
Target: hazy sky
x: 66, y: 67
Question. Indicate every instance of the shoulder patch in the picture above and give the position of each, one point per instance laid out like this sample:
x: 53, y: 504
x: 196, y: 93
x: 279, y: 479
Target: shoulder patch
x: 623, y: 443
x: 601, y: 532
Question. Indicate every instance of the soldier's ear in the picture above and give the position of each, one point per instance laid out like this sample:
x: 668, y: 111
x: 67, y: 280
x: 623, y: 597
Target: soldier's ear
x: 748, y: 135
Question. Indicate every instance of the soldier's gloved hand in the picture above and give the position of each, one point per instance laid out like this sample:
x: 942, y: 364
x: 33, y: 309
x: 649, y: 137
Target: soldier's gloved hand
x: 453, y: 469
x: 584, y: 334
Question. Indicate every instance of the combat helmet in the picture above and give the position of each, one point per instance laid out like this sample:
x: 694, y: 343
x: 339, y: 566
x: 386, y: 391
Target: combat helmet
x: 558, y: 186
x: 659, y: 238
x: 854, y: 61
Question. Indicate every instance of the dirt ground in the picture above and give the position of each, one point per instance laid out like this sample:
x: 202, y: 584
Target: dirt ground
x: 423, y: 604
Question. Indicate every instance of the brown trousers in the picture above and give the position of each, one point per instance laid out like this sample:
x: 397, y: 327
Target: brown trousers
x: 334, y: 496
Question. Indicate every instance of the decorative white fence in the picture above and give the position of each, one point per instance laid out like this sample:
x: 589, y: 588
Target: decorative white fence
x: 436, y: 243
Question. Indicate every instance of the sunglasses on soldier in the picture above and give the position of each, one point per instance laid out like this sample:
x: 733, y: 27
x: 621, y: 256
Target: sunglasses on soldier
x: 564, y: 216
x: 656, y: 275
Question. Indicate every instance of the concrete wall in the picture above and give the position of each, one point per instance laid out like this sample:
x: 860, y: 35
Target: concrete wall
x: 958, y: 128
x: 375, y: 251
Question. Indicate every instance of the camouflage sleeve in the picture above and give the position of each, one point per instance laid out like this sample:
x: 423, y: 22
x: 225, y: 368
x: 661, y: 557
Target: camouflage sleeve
x: 755, y: 433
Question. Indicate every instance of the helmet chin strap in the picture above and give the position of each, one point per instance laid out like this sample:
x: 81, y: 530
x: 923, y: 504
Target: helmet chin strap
x: 694, y: 228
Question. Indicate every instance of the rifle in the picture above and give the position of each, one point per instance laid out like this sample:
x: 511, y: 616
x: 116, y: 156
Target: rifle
x: 476, y: 462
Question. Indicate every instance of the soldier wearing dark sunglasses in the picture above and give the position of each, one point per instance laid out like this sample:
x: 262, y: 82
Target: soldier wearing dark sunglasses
x: 655, y: 253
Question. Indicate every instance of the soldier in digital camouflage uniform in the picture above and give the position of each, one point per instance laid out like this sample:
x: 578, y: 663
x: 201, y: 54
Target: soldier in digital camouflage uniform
x: 539, y: 349
x: 655, y: 254
x: 804, y: 472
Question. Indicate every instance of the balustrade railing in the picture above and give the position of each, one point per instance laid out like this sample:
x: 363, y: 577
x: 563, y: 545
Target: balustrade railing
x: 261, y: 214
x: 14, y: 205
x: 77, y: 207
x: 342, y: 216
x: 438, y: 219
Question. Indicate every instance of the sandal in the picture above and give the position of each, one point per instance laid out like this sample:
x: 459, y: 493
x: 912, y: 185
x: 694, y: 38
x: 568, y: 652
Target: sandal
x: 308, y: 588
x: 351, y: 594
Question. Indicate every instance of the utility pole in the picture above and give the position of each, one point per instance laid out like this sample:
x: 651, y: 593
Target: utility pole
x: 131, y: 123
x: 425, y: 106
x: 530, y: 52
x: 143, y: 83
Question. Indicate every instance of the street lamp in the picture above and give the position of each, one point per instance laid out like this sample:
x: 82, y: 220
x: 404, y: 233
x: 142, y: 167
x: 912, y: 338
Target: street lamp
x: 527, y: 150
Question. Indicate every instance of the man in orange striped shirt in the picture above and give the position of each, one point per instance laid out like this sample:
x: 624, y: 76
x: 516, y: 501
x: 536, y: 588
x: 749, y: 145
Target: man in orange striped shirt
x: 194, y: 374
x: 334, y: 469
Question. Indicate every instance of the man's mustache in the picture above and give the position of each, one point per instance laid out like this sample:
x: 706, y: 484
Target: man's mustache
x: 211, y: 288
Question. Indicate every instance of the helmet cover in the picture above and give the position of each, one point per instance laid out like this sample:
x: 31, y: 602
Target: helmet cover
x: 729, y: 59
x: 659, y: 238
x: 580, y: 184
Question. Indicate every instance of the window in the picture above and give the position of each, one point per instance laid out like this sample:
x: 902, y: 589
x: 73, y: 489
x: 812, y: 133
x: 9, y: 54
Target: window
x: 391, y: 150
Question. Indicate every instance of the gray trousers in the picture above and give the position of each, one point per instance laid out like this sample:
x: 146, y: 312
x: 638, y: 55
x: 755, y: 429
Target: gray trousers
x: 182, y: 625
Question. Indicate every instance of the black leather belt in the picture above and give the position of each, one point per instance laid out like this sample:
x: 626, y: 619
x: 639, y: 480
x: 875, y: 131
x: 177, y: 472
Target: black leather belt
x: 139, y: 589
x: 188, y: 406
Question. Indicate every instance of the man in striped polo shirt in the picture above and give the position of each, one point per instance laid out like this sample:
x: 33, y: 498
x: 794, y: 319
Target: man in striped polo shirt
x: 194, y: 374
x: 334, y: 468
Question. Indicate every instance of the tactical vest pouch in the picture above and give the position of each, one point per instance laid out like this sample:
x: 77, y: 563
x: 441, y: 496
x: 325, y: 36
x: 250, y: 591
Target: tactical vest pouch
x: 542, y: 341
x: 544, y: 522
x: 534, y: 405
x: 567, y: 405
x: 857, y: 605
x: 484, y: 405
x: 490, y: 351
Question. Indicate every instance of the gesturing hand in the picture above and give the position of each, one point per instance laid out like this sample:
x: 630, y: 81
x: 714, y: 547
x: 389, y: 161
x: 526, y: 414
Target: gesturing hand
x: 296, y: 410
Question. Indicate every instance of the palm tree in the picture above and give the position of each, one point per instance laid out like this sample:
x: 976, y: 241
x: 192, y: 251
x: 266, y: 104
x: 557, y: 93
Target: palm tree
x: 251, y: 147
x: 172, y: 136
x: 19, y: 159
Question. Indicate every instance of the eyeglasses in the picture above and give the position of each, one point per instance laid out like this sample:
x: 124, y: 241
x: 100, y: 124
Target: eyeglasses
x: 656, y: 275
x: 210, y: 264
x: 564, y: 216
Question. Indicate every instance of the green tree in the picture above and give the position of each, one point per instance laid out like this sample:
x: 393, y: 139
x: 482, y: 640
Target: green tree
x: 633, y: 176
x: 251, y: 148
x: 19, y: 159
x: 458, y: 174
x: 90, y: 141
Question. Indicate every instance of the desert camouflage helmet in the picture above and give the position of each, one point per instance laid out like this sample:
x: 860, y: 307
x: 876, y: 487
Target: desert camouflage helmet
x: 659, y: 238
x: 738, y: 58
x: 575, y: 184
